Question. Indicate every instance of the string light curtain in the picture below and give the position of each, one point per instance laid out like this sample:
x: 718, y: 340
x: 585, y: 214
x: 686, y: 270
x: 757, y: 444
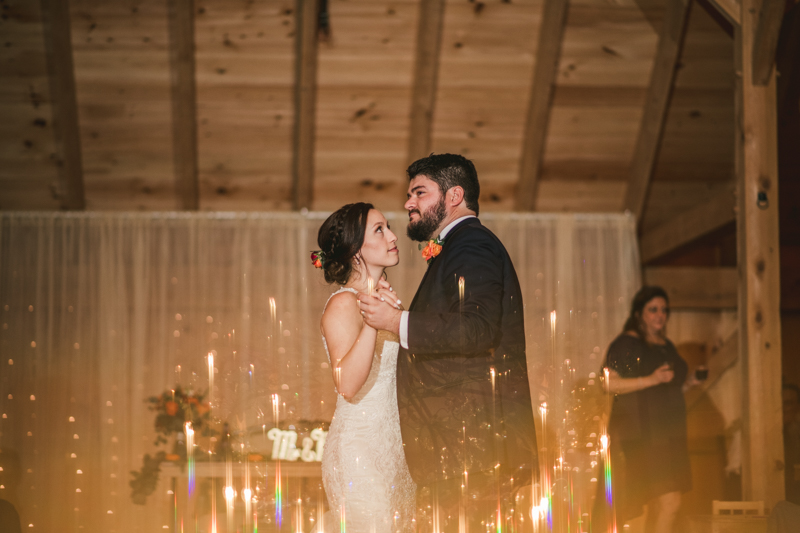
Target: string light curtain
x: 100, y: 311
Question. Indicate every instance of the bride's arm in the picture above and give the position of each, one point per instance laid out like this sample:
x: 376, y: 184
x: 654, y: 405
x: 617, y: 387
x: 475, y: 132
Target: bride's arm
x: 351, y: 344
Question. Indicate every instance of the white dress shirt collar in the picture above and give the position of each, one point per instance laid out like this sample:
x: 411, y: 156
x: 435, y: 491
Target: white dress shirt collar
x: 453, y: 224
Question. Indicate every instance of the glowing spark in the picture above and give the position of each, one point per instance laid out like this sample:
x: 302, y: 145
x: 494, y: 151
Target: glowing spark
x: 210, y: 377
x: 190, y: 455
x: 279, y: 496
x: 276, y: 408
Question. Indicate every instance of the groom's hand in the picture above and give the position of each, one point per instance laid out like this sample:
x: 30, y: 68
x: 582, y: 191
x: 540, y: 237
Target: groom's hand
x: 378, y: 313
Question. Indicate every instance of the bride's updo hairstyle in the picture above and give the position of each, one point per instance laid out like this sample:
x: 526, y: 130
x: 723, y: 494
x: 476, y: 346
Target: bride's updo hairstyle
x: 340, y: 238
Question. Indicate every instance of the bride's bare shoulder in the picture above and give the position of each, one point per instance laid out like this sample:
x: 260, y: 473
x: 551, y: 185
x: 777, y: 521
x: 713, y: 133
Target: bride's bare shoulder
x: 341, y: 308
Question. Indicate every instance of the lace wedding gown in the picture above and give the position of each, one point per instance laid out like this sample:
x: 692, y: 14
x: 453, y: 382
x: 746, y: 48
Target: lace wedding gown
x: 364, y: 469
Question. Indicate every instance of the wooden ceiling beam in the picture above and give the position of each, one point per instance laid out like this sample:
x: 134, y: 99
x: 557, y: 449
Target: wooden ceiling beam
x: 548, y: 52
x: 66, y: 127
x: 656, y: 104
x: 730, y: 9
x: 305, y: 102
x: 184, y: 103
x: 696, y: 287
x: 686, y: 227
x: 426, y: 74
x: 765, y: 41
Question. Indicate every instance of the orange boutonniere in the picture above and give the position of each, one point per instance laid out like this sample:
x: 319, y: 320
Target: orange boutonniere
x: 431, y: 249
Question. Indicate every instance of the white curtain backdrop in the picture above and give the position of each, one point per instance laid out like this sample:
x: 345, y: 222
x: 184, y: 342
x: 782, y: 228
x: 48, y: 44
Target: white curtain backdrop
x: 101, y: 310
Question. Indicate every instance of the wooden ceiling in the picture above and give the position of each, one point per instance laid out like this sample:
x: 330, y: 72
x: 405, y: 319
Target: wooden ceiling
x: 480, y: 87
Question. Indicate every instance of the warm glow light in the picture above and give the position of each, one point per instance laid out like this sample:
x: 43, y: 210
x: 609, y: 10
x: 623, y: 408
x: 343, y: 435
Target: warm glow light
x: 247, y: 494
x: 230, y: 494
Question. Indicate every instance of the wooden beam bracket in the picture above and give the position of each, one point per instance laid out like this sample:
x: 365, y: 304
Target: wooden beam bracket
x: 61, y: 74
x: 426, y: 75
x: 688, y: 226
x: 305, y: 103
x: 765, y: 42
x: 730, y: 9
x: 184, y: 103
x: 655, y: 111
x: 548, y: 52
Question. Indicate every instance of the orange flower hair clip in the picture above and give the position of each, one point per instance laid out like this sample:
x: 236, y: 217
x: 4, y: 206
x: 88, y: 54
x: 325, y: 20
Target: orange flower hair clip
x: 318, y: 258
x: 431, y: 249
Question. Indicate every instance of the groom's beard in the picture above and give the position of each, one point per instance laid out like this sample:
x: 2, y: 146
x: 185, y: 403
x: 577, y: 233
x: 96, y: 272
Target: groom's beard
x: 422, y: 229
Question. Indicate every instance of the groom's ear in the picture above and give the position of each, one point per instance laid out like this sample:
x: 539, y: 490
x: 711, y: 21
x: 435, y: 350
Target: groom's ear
x: 454, y: 196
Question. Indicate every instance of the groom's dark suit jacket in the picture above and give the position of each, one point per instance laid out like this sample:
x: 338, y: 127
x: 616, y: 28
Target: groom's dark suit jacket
x: 462, y: 386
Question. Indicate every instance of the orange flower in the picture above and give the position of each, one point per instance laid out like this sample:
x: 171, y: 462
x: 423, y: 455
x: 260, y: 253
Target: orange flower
x: 202, y: 408
x: 255, y: 457
x: 431, y: 250
x: 317, y: 257
x: 172, y: 457
x: 171, y: 408
x: 193, y: 400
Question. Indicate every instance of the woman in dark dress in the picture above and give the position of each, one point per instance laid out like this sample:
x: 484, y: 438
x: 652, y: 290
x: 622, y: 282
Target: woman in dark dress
x: 647, y: 427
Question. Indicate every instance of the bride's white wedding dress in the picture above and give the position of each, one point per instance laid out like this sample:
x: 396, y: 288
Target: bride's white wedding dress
x: 364, y: 469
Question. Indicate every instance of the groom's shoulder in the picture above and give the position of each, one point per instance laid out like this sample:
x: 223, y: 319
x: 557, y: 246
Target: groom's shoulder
x: 473, y: 232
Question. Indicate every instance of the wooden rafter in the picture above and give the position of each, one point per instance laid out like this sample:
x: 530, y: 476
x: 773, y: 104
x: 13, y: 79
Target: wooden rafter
x: 184, y: 102
x: 696, y: 287
x: 548, y: 52
x: 730, y: 9
x: 305, y: 102
x: 426, y: 74
x: 58, y: 48
x: 758, y: 250
x: 655, y: 110
x: 765, y: 42
x: 687, y: 226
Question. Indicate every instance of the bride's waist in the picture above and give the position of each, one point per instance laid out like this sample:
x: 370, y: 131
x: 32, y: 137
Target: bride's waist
x: 377, y: 396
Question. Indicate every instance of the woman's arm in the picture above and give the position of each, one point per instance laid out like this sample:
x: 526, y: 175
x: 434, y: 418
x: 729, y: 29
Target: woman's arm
x: 616, y: 384
x: 351, y: 344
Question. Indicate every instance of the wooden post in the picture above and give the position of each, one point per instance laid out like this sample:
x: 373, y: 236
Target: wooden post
x: 548, y: 52
x: 305, y: 102
x: 58, y: 48
x: 184, y: 103
x: 426, y: 75
x: 759, y: 276
x: 655, y: 107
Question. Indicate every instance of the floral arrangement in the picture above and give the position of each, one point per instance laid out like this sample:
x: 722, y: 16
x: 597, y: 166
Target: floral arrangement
x: 174, y: 409
x: 177, y: 407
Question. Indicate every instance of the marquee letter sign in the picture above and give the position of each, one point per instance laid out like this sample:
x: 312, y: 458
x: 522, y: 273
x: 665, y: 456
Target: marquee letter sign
x: 284, y: 445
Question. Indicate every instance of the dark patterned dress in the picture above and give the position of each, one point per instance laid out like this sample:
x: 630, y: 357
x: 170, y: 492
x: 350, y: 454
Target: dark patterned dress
x: 647, y: 428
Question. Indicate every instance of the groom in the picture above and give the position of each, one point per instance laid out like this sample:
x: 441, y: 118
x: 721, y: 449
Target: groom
x: 462, y: 382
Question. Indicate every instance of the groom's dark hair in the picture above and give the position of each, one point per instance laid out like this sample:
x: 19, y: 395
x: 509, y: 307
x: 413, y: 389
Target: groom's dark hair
x: 449, y: 170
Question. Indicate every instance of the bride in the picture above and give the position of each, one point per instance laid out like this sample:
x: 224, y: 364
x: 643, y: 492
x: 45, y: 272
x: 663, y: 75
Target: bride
x: 364, y: 469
